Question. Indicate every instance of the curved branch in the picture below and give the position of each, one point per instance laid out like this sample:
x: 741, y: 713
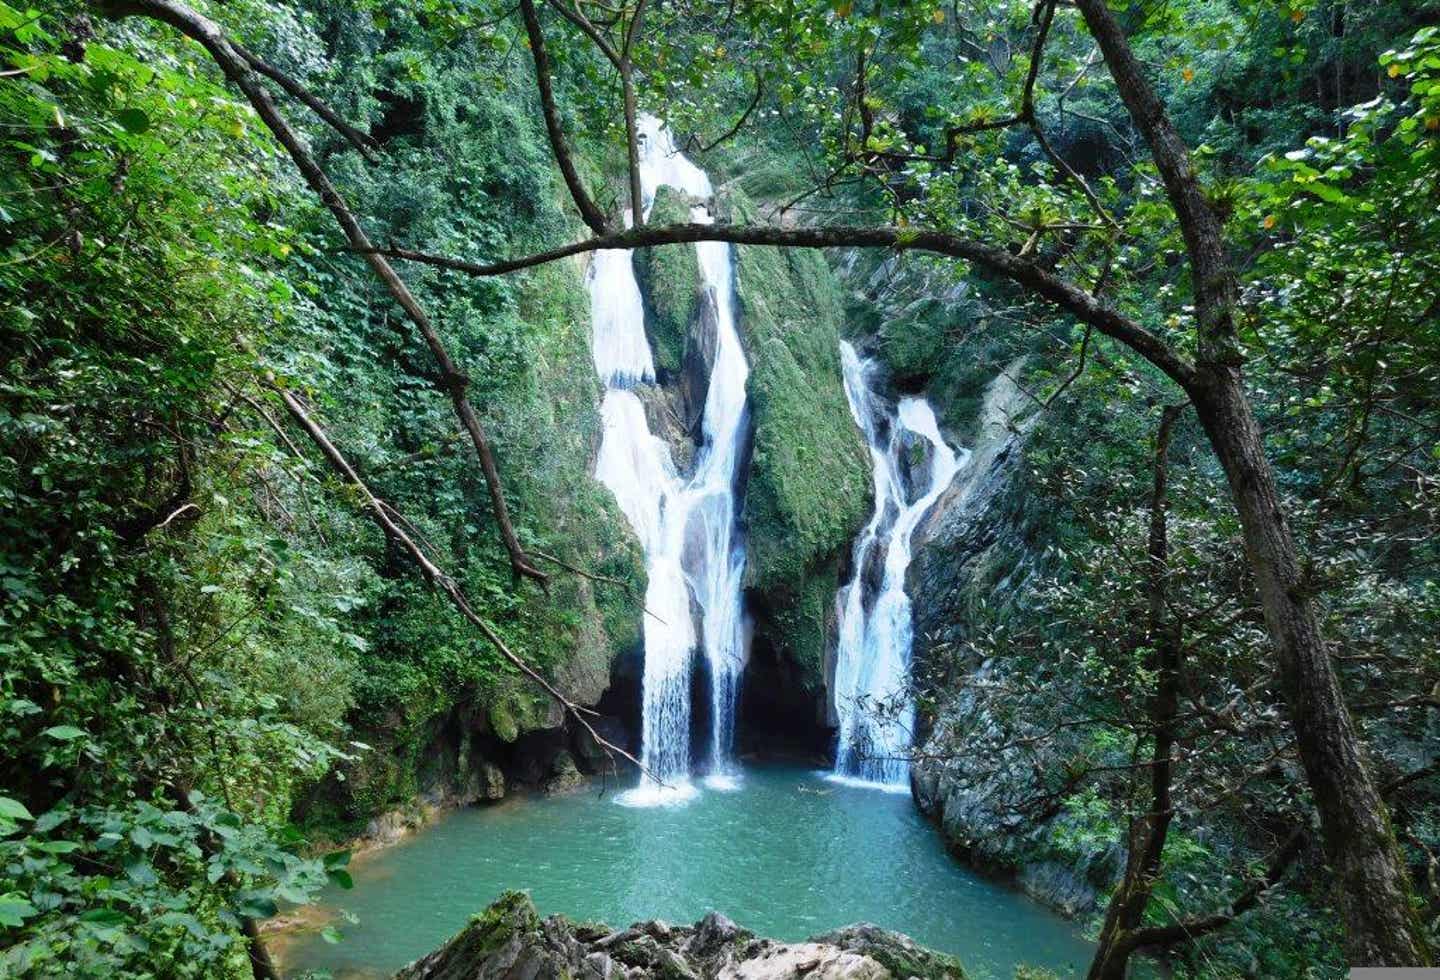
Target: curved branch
x: 632, y: 29
x: 621, y: 60
x: 1089, y: 309
x: 578, y: 18
x: 1190, y: 929
x: 590, y: 213
x: 237, y: 69
x: 729, y: 133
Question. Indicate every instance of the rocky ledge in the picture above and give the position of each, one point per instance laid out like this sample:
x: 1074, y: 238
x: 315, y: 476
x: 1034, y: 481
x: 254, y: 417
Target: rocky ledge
x: 509, y: 941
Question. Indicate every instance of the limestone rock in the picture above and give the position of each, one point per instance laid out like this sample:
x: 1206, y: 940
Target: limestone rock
x: 811, y: 960
x: 972, y: 550
x: 509, y: 941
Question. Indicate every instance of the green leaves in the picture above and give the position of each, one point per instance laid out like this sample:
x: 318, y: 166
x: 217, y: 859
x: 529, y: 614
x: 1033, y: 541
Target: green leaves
x: 13, y: 810
x: 134, y: 120
x: 14, y: 910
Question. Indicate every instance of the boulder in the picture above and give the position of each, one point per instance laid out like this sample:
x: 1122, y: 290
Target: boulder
x: 509, y: 941
x: 565, y: 775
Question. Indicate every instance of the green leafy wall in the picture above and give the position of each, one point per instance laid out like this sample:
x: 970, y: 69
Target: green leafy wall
x: 469, y: 172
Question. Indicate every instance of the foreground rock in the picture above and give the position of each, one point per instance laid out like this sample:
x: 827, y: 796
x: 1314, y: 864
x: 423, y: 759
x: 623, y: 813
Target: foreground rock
x: 509, y: 941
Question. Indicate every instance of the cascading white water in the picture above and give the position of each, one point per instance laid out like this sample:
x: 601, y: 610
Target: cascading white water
x: 872, y: 662
x: 687, y: 527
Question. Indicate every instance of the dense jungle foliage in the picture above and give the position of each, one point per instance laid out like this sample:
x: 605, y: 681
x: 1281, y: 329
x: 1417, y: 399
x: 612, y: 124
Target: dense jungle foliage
x: 212, y: 664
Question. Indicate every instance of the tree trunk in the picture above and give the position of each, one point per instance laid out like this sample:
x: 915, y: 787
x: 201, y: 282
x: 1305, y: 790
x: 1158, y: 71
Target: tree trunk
x: 1148, y: 831
x: 1380, y: 923
x: 632, y: 142
x: 1374, y: 892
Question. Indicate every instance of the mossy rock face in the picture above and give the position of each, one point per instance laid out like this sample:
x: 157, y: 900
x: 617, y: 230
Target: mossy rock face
x: 502, y: 721
x: 506, y: 940
x: 669, y: 279
x: 513, y: 912
x: 934, y: 332
x: 804, y: 620
x: 809, y: 487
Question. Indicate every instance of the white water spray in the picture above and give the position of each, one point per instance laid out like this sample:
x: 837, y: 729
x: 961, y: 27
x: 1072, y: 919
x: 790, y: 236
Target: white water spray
x: 687, y: 527
x: 872, y: 665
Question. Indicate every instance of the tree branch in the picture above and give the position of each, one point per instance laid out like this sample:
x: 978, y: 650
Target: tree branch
x: 590, y: 213
x: 434, y: 576
x: 1084, y: 306
x: 361, y: 141
x: 695, y: 145
x: 1191, y: 929
x: 576, y: 17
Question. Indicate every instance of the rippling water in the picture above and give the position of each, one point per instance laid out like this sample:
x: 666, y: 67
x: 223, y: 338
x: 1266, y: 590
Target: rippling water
x: 787, y: 854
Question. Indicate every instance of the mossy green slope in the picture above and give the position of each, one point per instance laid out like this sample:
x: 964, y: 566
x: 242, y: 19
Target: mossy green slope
x: 810, y: 473
x: 670, y: 282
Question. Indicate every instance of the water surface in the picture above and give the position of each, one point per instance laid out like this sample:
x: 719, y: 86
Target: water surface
x: 787, y: 854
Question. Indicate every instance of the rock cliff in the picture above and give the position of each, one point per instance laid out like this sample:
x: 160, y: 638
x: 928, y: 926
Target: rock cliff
x: 974, y: 551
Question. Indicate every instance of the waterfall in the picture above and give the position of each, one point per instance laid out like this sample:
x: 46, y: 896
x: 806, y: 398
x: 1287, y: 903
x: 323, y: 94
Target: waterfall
x: 687, y: 525
x: 872, y: 662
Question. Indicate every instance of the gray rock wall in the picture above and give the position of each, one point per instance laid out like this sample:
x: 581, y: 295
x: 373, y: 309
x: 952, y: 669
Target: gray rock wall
x: 975, y: 550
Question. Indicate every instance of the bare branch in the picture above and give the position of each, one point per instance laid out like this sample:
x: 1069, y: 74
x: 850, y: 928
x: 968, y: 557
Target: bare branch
x: 361, y: 141
x: 577, y: 17
x: 434, y: 576
x: 592, y: 576
x: 694, y: 144
x: 1086, y: 307
x: 589, y: 212
x: 1190, y: 929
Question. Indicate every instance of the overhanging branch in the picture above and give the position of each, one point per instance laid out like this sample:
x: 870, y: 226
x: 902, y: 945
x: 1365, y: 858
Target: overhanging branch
x: 361, y: 141
x: 1087, y: 308
x: 384, y: 516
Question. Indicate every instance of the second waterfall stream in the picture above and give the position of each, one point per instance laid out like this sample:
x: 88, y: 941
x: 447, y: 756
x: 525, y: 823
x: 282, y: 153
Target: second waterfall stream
x: 872, y: 662
x: 687, y: 523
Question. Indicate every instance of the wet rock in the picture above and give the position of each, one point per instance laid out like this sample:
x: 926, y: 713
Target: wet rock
x: 666, y: 417
x: 701, y: 345
x: 899, y: 954
x: 715, y: 930
x: 565, y: 775
x: 492, y: 782
x: 811, y: 960
x: 509, y: 941
x: 387, y: 828
x: 592, y: 756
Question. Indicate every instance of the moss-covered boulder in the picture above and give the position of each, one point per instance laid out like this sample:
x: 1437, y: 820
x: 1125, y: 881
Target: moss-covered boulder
x: 506, y: 940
